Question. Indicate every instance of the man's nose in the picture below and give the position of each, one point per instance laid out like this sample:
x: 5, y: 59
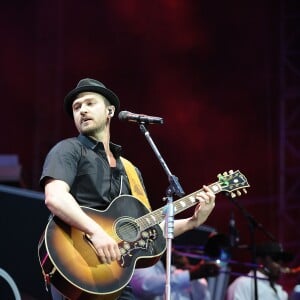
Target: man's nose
x: 83, y: 109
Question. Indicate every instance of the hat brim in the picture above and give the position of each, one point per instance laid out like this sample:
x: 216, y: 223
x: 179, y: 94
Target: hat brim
x: 107, y: 93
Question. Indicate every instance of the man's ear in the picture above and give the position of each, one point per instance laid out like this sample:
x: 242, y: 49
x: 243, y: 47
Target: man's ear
x: 111, y: 112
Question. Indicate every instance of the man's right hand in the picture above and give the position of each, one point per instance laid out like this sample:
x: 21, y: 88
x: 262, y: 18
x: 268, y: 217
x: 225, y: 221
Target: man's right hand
x: 106, y: 247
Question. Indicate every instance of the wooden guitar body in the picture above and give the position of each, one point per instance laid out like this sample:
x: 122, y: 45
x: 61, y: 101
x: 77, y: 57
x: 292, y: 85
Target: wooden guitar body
x: 70, y: 263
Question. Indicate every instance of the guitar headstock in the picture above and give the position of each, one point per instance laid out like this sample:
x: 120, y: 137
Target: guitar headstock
x: 233, y: 182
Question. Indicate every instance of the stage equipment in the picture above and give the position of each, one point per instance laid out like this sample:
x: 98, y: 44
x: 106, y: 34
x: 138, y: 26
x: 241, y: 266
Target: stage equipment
x: 10, y: 169
x: 11, y: 284
x: 128, y: 116
x: 253, y: 226
x: 23, y: 215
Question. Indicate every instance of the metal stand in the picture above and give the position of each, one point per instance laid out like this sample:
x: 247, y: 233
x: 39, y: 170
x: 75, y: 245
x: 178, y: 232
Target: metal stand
x: 253, y: 224
x: 11, y: 283
x: 174, y: 188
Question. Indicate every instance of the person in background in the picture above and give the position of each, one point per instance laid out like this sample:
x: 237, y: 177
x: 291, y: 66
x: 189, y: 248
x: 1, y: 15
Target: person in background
x: 88, y: 170
x: 295, y: 293
x: 187, y: 281
x: 270, y: 257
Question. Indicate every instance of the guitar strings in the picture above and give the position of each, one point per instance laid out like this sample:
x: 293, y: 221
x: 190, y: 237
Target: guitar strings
x: 155, y: 217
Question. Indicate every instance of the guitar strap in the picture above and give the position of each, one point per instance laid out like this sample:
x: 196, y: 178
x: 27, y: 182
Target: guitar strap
x: 136, y: 186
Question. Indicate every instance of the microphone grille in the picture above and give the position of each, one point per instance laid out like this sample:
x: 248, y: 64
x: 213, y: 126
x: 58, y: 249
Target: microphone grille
x: 122, y: 115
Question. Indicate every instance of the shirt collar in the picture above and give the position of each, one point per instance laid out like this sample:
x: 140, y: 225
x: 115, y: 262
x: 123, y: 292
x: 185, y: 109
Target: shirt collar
x: 98, y: 146
x: 259, y: 275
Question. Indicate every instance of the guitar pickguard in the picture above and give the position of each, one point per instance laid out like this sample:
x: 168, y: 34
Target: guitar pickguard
x: 132, y: 249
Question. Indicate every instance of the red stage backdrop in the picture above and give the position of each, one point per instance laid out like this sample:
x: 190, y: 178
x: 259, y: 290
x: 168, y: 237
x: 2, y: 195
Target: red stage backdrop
x: 209, y: 69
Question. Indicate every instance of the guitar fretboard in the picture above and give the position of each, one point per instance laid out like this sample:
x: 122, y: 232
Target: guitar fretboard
x: 157, y: 216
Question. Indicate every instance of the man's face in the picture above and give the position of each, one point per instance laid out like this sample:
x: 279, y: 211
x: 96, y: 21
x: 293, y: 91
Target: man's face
x: 273, y: 266
x: 90, y: 113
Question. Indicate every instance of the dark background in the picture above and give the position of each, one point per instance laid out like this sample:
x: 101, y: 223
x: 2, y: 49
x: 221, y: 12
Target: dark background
x: 212, y: 69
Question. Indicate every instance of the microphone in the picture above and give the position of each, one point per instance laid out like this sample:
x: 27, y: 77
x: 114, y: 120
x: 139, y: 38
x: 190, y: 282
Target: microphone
x: 129, y: 116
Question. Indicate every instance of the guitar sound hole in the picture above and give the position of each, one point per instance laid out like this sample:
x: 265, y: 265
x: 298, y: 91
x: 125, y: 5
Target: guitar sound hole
x: 127, y: 230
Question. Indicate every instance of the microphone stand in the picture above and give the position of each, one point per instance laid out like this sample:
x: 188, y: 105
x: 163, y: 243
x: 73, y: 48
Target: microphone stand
x: 253, y: 224
x: 173, y: 188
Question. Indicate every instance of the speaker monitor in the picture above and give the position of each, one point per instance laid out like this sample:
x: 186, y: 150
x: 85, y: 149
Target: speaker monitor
x: 23, y: 217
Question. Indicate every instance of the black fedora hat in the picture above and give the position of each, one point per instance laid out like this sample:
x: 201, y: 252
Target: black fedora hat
x: 90, y: 85
x: 274, y: 250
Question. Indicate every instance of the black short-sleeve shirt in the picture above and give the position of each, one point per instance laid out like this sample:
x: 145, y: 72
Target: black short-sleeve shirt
x: 81, y: 162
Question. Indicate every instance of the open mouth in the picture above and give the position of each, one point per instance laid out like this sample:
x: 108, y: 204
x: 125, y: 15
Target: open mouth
x: 84, y: 121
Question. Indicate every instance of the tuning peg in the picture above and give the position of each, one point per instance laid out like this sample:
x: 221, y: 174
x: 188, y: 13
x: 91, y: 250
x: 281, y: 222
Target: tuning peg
x: 231, y: 172
x: 245, y: 191
x: 225, y: 174
x: 238, y: 193
x: 233, y: 195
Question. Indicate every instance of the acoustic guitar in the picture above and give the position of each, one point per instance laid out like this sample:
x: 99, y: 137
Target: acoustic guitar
x: 69, y: 261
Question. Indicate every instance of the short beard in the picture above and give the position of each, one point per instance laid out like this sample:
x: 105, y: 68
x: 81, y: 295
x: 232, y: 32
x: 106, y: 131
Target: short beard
x: 92, y: 131
x: 89, y: 131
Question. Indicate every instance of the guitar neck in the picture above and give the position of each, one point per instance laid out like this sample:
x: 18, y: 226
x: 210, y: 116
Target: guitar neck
x: 157, y: 216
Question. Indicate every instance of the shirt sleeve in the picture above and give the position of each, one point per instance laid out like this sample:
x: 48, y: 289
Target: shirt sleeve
x: 61, y: 162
